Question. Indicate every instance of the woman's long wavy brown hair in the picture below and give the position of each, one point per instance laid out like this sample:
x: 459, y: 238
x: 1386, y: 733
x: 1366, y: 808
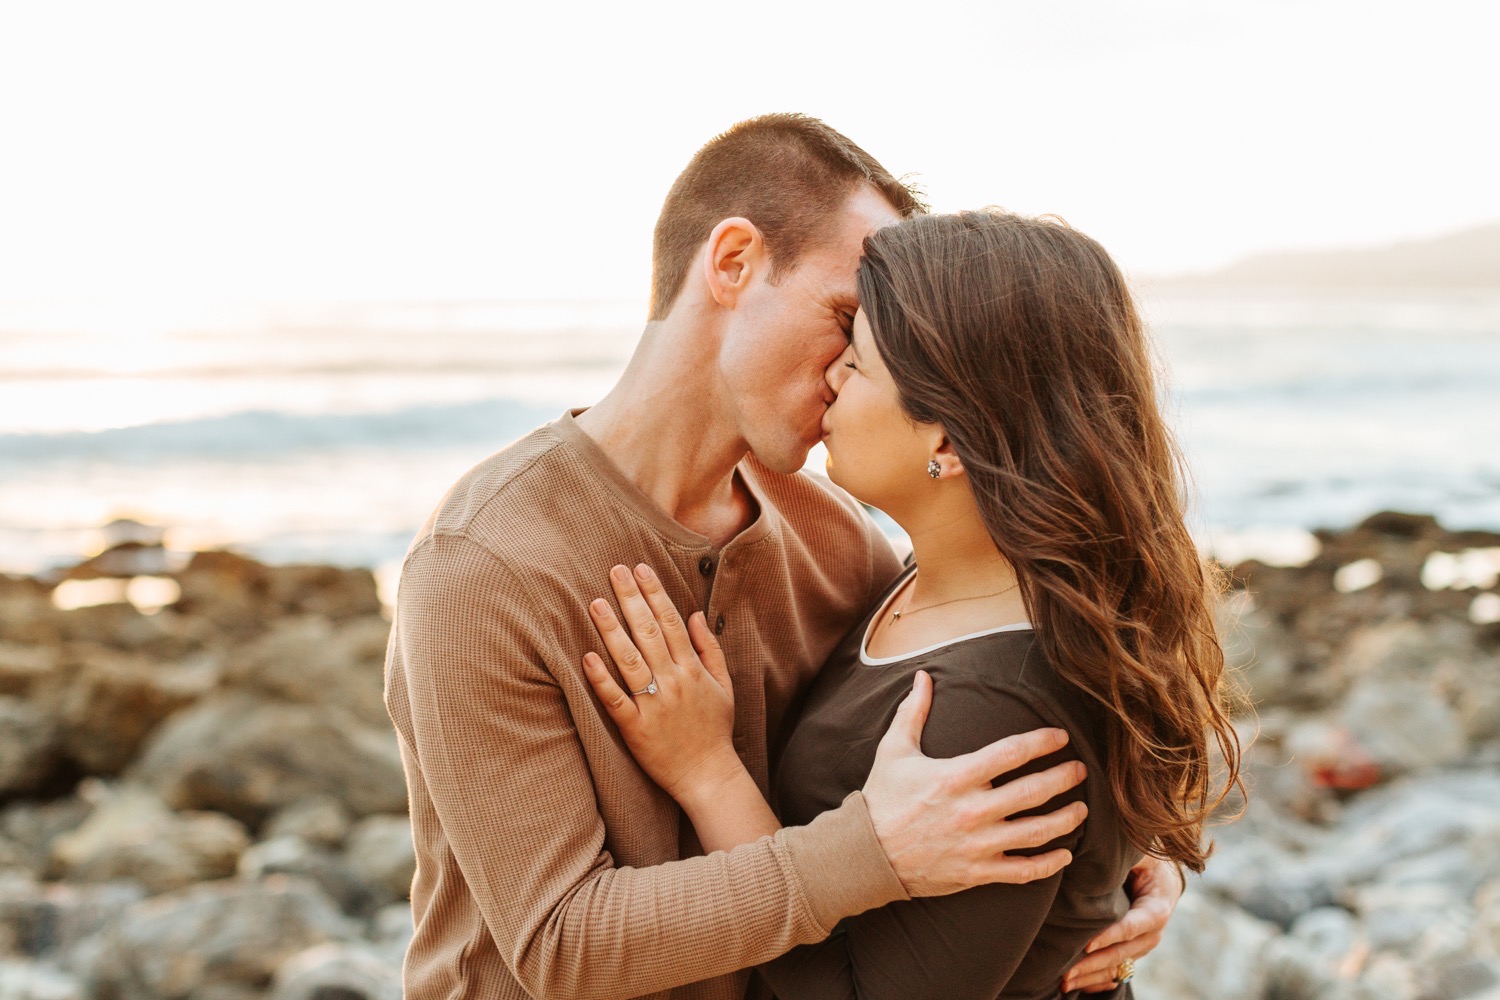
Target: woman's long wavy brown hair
x: 1019, y: 336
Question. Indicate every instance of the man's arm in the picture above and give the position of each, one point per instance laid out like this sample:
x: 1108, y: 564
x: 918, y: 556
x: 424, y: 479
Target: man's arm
x: 496, y: 743
x: 965, y: 946
x: 503, y: 763
x: 1155, y: 887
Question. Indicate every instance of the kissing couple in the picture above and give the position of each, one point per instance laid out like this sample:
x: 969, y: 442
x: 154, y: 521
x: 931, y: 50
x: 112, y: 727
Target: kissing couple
x: 676, y: 718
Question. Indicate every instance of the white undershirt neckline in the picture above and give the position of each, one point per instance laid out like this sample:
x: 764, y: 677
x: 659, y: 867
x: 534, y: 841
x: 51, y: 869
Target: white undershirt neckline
x: 877, y: 661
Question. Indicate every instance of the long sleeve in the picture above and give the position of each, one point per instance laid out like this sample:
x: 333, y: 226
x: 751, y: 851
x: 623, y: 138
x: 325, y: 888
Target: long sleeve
x: 494, y: 737
x: 960, y: 947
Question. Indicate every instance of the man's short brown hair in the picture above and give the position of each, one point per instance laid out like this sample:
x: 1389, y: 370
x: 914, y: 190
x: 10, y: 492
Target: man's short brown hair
x: 786, y: 173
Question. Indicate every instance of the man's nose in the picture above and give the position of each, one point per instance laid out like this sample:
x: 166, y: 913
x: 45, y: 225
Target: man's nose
x: 836, y: 373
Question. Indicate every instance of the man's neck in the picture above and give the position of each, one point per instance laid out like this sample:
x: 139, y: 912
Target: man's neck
x: 664, y: 425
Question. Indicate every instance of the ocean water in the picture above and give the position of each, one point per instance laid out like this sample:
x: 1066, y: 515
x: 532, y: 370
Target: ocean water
x: 328, y: 433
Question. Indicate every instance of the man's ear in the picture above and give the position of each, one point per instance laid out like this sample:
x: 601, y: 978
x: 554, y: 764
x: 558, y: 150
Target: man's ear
x: 736, y: 252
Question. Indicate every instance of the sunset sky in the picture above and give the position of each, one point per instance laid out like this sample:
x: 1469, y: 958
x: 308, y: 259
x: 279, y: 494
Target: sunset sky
x: 176, y: 153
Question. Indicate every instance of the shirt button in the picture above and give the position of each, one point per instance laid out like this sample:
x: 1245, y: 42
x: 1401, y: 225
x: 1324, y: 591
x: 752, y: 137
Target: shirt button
x: 706, y: 565
x: 719, y: 625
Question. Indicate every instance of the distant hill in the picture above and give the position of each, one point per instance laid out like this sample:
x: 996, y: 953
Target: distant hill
x: 1468, y: 260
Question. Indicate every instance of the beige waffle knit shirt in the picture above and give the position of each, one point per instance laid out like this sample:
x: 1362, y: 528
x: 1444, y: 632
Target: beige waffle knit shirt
x: 548, y: 864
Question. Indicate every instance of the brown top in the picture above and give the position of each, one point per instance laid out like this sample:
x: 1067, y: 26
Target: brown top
x: 993, y: 941
x: 548, y: 863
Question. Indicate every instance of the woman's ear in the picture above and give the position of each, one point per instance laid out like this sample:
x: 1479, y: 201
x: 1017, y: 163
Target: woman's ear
x: 735, y: 252
x: 949, y: 464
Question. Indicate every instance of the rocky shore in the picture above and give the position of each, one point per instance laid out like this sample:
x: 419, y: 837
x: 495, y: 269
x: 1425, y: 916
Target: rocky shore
x: 205, y: 800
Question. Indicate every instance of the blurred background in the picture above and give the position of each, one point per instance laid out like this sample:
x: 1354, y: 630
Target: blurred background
x: 273, y: 275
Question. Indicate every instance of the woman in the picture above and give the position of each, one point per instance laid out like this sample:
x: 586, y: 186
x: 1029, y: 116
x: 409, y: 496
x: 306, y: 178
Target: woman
x: 997, y: 401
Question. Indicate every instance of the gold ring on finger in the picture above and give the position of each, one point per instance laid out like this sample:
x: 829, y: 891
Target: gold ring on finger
x: 1124, y: 971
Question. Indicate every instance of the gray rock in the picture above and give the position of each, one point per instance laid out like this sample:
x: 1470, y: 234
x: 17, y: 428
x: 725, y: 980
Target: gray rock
x: 1463, y: 978
x: 1485, y: 938
x: 336, y: 971
x: 1328, y: 931
x: 249, y: 757
x: 34, y: 981
x: 22, y: 667
x: 328, y: 591
x: 381, y: 851
x: 225, y: 935
x: 1255, y: 647
x: 133, y: 835
x: 113, y: 701
x: 43, y: 920
x: 391, y: 931
x: 319, y: 820
x: 330, y: 872
x: 27, y: 614
x: 32, y: 826
x: 29, y: 747
x: 1404, y: 725
x: 1399, y: 918
x: 121, y: 626
x: 315, y: 661
x: 1209, y: 949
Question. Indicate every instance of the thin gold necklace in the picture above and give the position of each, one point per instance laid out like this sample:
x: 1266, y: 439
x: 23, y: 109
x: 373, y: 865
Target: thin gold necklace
x: 896, y: 615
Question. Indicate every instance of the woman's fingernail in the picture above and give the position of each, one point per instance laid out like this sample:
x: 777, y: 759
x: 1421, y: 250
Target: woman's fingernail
x: 597, y: 606
x: 620, y: 573
x: 643, y: 571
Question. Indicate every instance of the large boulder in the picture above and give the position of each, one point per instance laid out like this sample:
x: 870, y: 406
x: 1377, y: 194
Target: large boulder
x: 339, y: 971
x: 213, y: 937
x: 315, y: 661
x: 240, y: 595
x: 1210, y: 949
x: 30, y: 749
x: 27, y: 614
x: 24, y: 667
x: 327, y: 591
x: 46, y: 920
x: 31, y: 827
x: 113, y: 700
x: 230, y: 590
x: 330, y: 872
x: 380, y: 851
x: 248, y: 757
x: 319, y: 821
x: 1403, y: 725
x: 1256, y: 648
x: 33, y: 981
x: 132, y: 835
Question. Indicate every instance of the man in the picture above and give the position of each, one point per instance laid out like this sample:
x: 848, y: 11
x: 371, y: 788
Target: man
x: 549, y: 865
